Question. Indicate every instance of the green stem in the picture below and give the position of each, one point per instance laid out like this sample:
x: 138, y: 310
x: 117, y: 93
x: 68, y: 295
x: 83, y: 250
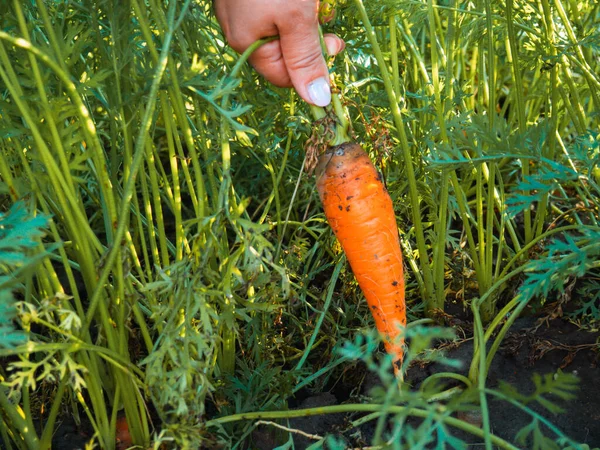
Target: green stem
x: 487, y: 310
x: 428, y: 288
x: 473, y: 372
x: 582, y: 56
x: 135, y: 167
x: 88, y: 128
x: 491, y: 66
x: 393, y: 25
x: 513, y: 58
x: 157, y: 193
x: 138, y: 423
x: 227, y: 360
x: 176, y: 202
x: 46, y: 439
x: 439, y: 248
x: 360, y: 408
x: 564, y: 438
x: 329, y: 296
x: 19, y: 423
x: 480, y: 346
x: 4, y: 435
x: 514, y: 315
x: 441, y: 375
x: 552, y: 107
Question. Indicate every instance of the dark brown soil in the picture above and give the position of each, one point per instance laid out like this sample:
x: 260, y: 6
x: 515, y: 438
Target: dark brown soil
x: 532, y: 347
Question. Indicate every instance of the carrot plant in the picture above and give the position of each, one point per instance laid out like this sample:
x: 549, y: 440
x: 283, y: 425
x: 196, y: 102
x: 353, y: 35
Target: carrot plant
x: 164, y: 254
x: 102, y: 137
x: 482, y: 106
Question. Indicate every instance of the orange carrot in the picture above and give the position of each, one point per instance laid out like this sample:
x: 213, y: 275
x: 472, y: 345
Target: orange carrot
x: 360, y: 212
x: 124, y: 439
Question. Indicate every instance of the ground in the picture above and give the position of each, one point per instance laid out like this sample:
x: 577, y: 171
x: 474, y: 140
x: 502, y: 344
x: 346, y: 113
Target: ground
x: 532, y: 346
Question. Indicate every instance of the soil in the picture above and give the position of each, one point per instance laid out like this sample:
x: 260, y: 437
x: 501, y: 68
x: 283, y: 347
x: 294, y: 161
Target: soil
x: 531, y: 347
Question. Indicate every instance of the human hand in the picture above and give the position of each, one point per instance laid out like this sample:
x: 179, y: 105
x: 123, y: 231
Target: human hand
x: 296, y: 58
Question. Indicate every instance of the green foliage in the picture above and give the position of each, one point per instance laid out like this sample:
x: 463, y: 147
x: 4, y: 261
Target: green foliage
x: 590, y: 303
x: 9, y: 337
x: 198, y: 278
x: 224, y: 89
x: 560, y: 385
x: 20, y: 234
x: 51, y: 369
x: 553, y: 176
x: 538, y: 440
x: 433, y: 395
x: 571, y: 256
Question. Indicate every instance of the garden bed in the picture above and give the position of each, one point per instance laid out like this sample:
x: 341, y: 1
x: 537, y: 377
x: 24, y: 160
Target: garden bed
x: 533, y: 346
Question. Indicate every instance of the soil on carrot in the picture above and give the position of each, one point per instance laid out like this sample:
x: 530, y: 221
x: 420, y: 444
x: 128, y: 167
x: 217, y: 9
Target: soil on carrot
x: 532, y: 346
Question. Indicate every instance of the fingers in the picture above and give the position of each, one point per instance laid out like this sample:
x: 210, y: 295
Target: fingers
x: 301, y: 49
x: 334, y: 44
x: 268, y: 60
x: 296, y: 59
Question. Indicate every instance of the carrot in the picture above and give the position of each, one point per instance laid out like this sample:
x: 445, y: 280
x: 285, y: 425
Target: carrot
x: 123, y: 435
x: 360, y: 212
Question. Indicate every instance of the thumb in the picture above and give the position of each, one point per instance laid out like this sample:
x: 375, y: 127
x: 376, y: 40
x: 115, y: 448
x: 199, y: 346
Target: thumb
x: 301, y: 51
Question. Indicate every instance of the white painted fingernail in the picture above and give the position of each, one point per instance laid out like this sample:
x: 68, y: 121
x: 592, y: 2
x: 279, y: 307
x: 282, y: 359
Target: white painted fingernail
x: 319, y: 92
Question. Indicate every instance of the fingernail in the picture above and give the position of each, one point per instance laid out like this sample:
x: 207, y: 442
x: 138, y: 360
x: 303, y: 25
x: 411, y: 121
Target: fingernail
x: 319, y: 92
x: 334, y: 47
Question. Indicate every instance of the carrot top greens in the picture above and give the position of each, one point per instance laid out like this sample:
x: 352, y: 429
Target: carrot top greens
x: 165, y: 256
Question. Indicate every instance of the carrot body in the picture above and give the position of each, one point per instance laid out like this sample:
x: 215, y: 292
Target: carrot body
x: 360, y: 212
x: 123, y: 436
